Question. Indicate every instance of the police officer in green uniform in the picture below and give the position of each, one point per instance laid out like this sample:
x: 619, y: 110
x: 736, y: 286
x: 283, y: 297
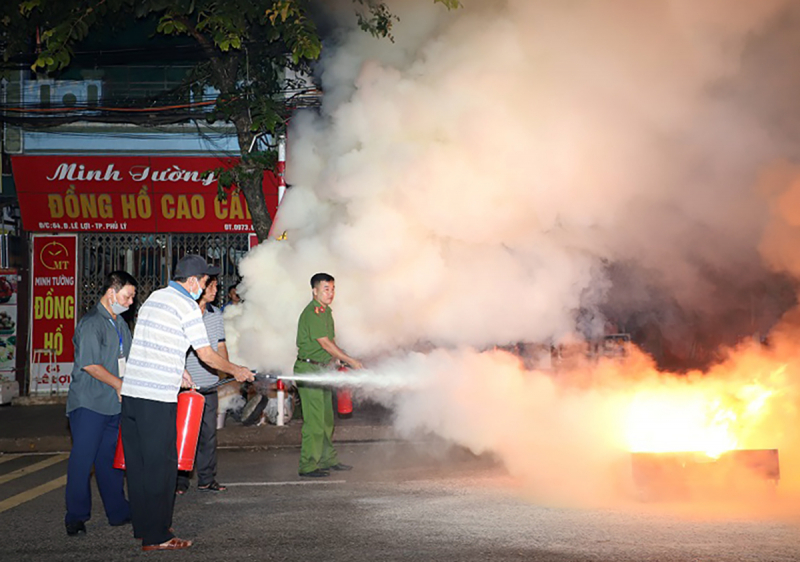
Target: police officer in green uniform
x: 316, y: 350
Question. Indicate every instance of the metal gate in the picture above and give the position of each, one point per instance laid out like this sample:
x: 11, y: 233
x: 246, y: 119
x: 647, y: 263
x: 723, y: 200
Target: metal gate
x: 150, y: 258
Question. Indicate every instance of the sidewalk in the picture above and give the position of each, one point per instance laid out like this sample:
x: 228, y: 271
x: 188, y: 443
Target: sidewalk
x: 43, y: 428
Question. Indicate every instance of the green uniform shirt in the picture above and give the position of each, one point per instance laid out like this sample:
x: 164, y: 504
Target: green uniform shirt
x: 316, y: 321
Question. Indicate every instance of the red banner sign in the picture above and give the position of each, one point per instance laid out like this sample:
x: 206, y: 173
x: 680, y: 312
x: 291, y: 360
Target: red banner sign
x: 130, y: 193
x: 53, y: 294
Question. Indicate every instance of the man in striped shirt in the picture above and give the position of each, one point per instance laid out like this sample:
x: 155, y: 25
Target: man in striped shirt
x: 168, y: 324
x: 204, y: 376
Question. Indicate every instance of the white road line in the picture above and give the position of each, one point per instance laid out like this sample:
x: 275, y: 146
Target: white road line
x: 34, y: 454
x: 287, y: 483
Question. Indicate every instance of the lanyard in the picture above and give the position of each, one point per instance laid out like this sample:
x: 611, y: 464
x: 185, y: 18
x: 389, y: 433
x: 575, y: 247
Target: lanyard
x: 119, y: 335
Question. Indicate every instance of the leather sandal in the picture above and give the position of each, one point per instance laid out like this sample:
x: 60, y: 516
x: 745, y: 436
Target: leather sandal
x: 213, y: 487
x: 172, y: 544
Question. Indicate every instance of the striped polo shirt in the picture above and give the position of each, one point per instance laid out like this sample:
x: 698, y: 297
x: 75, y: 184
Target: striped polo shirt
x: 202, y: 374
x: 168, y: 323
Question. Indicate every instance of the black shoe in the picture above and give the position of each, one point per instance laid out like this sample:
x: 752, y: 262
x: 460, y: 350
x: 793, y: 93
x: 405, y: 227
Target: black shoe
x: 75, y: 528
x: 213, y: 487
x: 319, y: 473
x: 125, y: 521
x: 339, y: 466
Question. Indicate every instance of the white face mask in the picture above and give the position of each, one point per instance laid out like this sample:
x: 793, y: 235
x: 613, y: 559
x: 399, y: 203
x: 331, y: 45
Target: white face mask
x: 117, y: 308
x: 196, y: 294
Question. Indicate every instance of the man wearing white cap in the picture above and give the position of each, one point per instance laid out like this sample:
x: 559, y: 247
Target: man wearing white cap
x: 169, y: 323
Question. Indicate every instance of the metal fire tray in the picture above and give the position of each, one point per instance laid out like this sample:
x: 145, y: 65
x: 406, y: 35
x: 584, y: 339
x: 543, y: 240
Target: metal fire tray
x: 683, y: 474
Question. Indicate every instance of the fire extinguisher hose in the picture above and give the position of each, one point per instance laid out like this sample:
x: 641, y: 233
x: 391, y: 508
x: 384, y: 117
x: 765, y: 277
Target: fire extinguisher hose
x: 257, y: 377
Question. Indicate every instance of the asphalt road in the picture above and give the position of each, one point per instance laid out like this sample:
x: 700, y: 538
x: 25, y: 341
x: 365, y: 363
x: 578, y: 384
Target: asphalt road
x: 402, y: 502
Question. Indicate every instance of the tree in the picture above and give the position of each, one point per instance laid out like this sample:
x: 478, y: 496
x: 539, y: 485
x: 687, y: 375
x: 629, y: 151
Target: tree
x: 247, y: 47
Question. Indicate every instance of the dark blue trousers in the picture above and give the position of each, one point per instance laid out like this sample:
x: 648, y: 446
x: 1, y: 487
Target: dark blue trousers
x: 94, y: 440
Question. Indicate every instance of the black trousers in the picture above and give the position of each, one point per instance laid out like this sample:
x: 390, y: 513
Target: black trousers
x: 205, y: 460
x: 149, y: 435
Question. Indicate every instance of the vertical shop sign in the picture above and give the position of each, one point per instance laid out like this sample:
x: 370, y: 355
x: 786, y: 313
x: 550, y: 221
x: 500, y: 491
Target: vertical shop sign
x: 54, y: 292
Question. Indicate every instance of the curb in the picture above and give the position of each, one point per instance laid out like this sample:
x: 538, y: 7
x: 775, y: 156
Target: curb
x: 35, y: 400
x: 289, y: 436
x: 35, y: 445
x: 234, y: 437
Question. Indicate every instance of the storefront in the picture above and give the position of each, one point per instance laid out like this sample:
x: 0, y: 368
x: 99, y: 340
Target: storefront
x: 94, y: 214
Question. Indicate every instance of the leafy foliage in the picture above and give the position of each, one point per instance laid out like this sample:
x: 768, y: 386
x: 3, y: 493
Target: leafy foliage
x: 250, y: 49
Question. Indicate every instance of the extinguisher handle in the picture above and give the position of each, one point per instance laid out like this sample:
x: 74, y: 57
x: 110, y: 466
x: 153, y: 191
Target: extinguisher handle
x: 264, y: 378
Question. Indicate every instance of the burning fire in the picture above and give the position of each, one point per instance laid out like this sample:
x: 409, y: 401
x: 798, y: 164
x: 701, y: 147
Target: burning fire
x: 694, y: 416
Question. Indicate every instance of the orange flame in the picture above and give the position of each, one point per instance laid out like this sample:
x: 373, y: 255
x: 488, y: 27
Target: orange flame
x: 700, y: 416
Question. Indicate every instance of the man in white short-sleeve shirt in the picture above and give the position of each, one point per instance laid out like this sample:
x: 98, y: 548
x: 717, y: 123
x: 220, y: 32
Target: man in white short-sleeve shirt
x: 168, y: 324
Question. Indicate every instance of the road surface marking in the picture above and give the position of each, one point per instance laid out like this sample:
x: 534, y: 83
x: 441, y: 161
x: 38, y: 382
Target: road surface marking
x: 287, y: 483
x: 33, y: 493
x: 6, y: 458
x: 32, y: 468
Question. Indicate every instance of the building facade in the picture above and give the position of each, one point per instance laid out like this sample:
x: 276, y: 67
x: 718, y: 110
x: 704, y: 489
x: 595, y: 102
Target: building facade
x: 94, y: 197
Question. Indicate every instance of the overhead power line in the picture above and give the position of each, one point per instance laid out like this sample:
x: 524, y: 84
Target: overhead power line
x: 94, y: 108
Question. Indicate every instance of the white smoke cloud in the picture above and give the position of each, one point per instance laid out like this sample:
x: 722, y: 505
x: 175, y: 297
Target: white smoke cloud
x: 469, y: 183
x: 472, y: 183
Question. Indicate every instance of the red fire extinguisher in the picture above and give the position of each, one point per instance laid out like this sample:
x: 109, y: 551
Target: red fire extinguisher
x: 190, y: 415
x: 344, y: 401
x: 119, y: 454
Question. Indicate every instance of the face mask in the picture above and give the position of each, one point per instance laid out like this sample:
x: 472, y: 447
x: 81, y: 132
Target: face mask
x: 117, y: 308
x: 196, y: 294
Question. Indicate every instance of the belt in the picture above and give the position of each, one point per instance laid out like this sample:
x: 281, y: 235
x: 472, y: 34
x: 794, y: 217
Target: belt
x: 313, y: 362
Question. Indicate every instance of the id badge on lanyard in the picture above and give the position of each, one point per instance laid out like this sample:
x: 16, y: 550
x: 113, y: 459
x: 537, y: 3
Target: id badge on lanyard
x: 121, y: 358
